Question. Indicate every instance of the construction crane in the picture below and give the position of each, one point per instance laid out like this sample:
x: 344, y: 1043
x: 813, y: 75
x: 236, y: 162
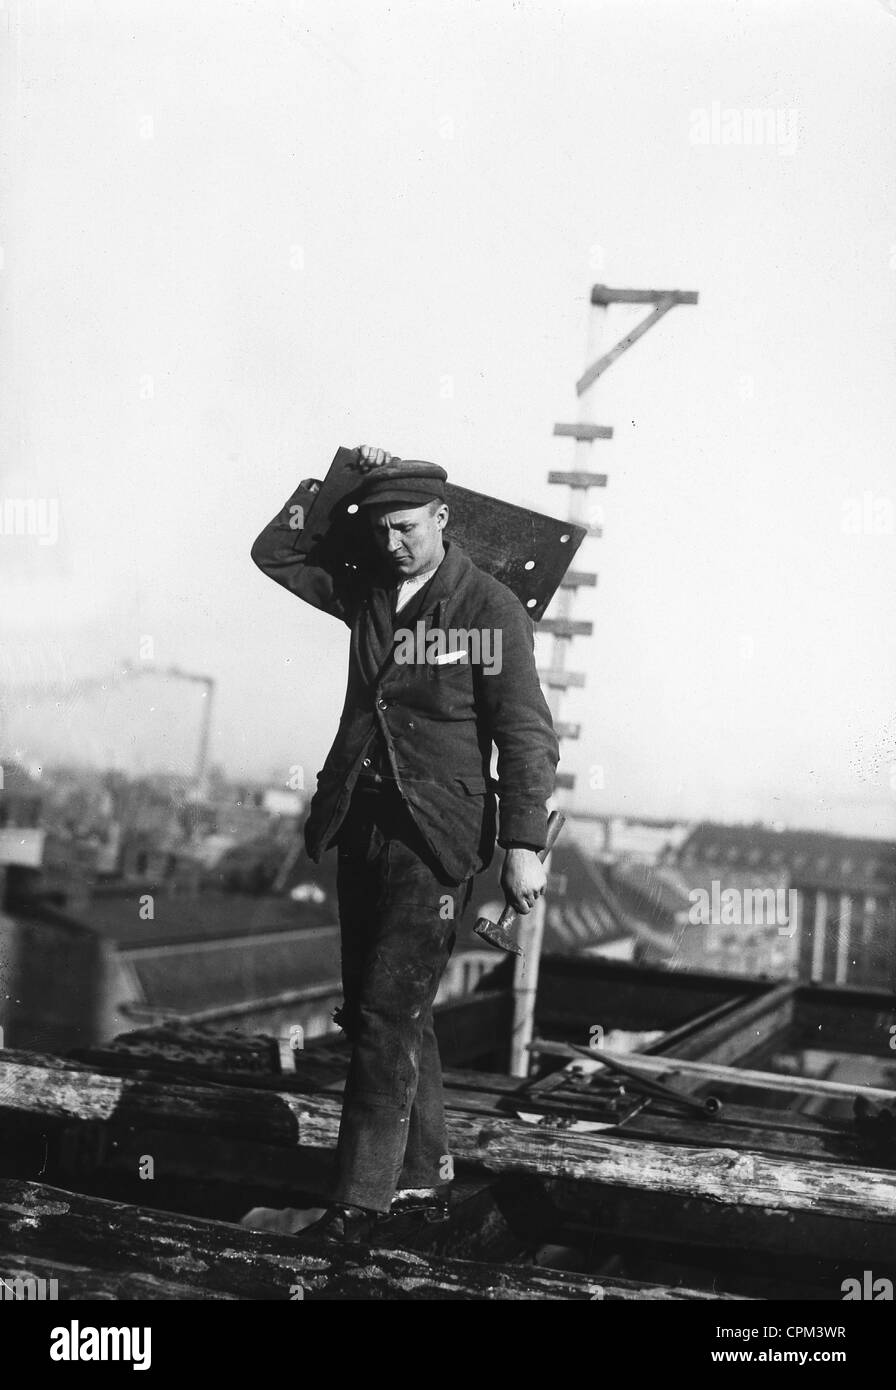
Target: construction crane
x: 205, y: 726
x: 83, y: 685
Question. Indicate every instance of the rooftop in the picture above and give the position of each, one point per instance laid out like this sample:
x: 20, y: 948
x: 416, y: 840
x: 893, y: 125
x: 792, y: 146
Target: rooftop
x: 728, y: 1151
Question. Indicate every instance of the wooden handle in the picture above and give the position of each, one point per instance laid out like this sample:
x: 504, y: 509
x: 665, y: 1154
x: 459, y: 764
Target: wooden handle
x: 556, y: 823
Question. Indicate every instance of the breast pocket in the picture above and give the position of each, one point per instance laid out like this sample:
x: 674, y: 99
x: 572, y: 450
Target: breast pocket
x: 453, y: 663
x: 451, y: 688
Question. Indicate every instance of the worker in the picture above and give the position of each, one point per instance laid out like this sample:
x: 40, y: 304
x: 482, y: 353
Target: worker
x: 406, y: 798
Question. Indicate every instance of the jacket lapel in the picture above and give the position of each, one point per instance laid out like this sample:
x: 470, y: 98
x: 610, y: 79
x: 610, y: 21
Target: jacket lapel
x: 376, y: 632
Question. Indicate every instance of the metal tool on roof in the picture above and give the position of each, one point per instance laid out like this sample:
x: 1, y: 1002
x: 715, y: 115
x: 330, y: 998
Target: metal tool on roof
x: 709, y: 1105
x: 498, y: 933
x: 584, y: 1105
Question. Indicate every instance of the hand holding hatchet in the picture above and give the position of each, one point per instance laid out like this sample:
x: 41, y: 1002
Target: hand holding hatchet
x: 498, y: 934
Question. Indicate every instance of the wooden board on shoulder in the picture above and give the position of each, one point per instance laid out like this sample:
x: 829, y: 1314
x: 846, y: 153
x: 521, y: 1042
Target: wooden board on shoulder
x: 526, y: 550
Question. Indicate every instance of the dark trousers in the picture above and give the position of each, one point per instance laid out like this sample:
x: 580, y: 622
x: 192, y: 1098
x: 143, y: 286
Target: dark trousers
x: 398, y: 915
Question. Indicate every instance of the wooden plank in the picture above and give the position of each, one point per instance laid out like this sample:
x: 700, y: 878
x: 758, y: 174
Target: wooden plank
x: 577, y: 478
x: 309, y: 1076
x: 561, y: 679
x: 566, y: 627
x: 668, y: 1044
x: 629, y: 1219
x: 565, y: 781
x: 83, y: 1284
x: 246, y: 1053
x: 738, y: 1031
x: 602, y: 294
x: 578, y: 579
x: 45, y: 1223
x: 565, y: 729
x: 659, y: 1122
x: 734, y: 1076
x: 584, y: 432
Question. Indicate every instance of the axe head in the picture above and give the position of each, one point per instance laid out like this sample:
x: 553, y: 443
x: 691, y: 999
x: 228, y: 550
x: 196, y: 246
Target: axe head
x: 499, y: 937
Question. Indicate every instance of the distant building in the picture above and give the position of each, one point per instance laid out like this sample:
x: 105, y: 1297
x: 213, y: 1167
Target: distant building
x: 239, y: 932
x: 738, y: 923
x: 845, y: 893
x: 22, y: 835
x: 647, y: 838
x: 643, y: 837
x: 278, y: 801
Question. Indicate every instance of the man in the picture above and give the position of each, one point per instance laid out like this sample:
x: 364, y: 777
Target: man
x: 406, y: 797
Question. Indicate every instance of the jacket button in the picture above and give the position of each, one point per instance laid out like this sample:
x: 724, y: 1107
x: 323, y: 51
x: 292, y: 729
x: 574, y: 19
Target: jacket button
x: 383, y: 704
x: 366, y: 763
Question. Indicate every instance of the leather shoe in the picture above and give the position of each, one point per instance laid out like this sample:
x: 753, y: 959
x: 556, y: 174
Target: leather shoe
x: 340, y: 1225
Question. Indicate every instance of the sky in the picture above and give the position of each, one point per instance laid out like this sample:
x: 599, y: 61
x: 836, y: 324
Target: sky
x: 237, y: 235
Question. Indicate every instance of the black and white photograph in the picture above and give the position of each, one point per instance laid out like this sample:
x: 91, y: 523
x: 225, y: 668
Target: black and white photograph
x: 447, y: 667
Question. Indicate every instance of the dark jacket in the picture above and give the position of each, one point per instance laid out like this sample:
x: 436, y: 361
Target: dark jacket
x: 436, y: 722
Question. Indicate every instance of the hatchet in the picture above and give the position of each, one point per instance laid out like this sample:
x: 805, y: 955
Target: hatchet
x: 497, y: 934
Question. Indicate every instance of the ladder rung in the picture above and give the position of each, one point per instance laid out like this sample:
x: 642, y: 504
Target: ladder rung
x: 578, y: 478
x: 577, y: 579
x: 565, y: 780
x: 562, y: 679
x: 584, y: 432
x: 566, y: 730
x: 566, y: 627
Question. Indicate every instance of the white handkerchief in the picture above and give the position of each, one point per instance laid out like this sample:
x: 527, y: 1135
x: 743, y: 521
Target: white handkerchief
x: 459, y: 655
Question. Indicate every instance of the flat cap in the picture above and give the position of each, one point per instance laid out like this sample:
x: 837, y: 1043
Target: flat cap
x: 409, y: 481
